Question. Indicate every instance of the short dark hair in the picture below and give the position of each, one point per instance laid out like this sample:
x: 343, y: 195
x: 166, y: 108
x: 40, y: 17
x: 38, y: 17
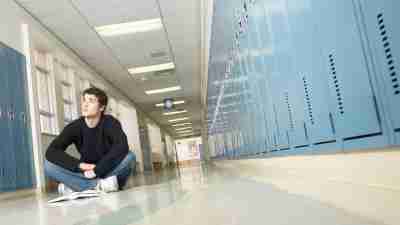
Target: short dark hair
x: 100, y: 94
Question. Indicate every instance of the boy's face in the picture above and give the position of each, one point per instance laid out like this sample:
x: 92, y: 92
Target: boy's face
x: 90, y: 106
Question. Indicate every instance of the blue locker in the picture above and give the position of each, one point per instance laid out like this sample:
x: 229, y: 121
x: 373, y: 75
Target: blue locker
x: 383, y: 35
x: 311, y: 84
x: 22, y: 136
x: 356, y: 113
x: 294, y: 95
x: 3, y: 117
x: 8, y: 152
x: 281, y: 69
x: 261, y: 45
x: 16, y: 149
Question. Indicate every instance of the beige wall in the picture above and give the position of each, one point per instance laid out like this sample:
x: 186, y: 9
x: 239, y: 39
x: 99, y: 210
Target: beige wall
x: 367, y: 184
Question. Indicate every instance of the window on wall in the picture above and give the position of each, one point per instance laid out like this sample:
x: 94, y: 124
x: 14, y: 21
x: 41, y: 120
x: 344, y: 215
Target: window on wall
x: 45, y: 92
x: 68, y: 91
x: 112, y: 107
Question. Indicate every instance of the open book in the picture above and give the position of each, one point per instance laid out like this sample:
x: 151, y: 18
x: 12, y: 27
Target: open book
x: 76, y: 195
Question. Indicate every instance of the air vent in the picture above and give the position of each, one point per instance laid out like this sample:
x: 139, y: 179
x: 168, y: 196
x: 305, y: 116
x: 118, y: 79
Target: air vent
x: 336, y: 84
x: 289, y: 110
x: 388, y: 53
x: 307, y: 91
x: 158, y: 54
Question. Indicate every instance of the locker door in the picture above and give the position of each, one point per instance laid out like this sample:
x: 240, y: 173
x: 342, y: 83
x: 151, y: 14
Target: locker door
x: 3, y: 117
x: 262, y: 44
x: 256, y: 80
x: 311, y: 85
x: 8, y: 150
x: 23, y: 148
x: 381, y: 22
x: 346, y: 69
x: 295, y: 107
x: 276, y: 17
x: 16, y: 96
x: 248, y: 129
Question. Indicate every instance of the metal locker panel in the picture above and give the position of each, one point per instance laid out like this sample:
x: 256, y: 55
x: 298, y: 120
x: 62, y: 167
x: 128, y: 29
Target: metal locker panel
x: 295, y: 108
x: 256, y: 25
x: 355, y: 113
x: 381, y: 23
x: 25, y: 168
x: 8, y: 151
x: 264, y: 43
x: 16, y: 98
x: 293, y: 97
x: 282, y: 119
x: 308, y: 70
x: 276, y: 16
x: 3, y: 117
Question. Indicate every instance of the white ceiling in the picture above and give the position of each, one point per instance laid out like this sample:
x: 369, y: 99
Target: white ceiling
x: 73, y: 22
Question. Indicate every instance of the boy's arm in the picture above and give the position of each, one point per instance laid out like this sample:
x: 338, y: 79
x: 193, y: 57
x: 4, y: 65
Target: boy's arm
x: 56, y: 151
x: 118, y: 150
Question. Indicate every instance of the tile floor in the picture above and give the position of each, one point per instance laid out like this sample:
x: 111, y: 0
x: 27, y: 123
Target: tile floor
x: 196, y: 195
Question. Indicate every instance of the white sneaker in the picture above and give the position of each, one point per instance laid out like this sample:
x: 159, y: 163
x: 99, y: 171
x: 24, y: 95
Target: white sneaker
x: 109, y: 184
x: 64, y: 189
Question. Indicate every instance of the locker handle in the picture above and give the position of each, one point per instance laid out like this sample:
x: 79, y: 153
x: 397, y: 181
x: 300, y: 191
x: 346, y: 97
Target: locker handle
x: 11, y: 114
x: 23, y: 117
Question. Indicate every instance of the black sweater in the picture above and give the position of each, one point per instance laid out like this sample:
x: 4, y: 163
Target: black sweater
x: 111, y: 145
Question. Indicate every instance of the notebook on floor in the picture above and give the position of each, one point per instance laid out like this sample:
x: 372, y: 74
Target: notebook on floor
x: 76, y: 195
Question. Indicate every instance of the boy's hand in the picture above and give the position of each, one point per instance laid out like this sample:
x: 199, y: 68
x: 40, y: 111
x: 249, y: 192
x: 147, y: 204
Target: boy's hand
x: 90, y: 174
x: 86, y: 166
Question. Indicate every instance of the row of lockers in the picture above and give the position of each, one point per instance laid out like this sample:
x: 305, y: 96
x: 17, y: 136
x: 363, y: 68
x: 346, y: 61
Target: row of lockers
x: 16, y: 160
x: 320, y: 75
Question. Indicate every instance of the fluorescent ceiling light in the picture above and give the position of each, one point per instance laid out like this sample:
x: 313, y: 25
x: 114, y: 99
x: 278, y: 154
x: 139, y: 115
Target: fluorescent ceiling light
x: 174, y: 113
x: 184, y: 135
x: 181, y: 124
x: 178, y: 119
x: 130, y: 27
x: 163, y: 90
x: 184, y: 131
x: 183, y: 128
x: 152, y: 68
x: 175, y: 103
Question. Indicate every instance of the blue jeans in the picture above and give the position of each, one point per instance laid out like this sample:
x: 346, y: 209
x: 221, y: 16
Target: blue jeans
x: 78, y: 182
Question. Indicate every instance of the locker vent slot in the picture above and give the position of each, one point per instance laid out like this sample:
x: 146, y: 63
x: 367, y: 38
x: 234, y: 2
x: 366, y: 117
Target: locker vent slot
x: 305, y: 130
x: 307, y: 91
x: 302, y: 146
x: 336, y: 84
x: 289, y: 110
x: 388, y: 52
x: 325, y: 142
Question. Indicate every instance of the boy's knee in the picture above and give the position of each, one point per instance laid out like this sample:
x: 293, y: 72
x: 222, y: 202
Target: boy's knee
x: 131, y: 156
x: 48, y: 167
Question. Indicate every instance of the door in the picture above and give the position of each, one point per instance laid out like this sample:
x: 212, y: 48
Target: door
x: 355, y: 111
x: 146, y: 149
x: 380, y: 19
x: 7, y: 79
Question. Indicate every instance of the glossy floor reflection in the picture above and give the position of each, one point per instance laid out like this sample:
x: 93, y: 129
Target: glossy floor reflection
x: 197, y: 195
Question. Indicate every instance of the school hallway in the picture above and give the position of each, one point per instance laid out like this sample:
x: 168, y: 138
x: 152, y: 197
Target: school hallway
x: 276, y: 112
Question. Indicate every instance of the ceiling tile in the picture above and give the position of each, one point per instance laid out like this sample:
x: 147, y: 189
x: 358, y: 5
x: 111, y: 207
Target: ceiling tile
x: 107, y: 12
